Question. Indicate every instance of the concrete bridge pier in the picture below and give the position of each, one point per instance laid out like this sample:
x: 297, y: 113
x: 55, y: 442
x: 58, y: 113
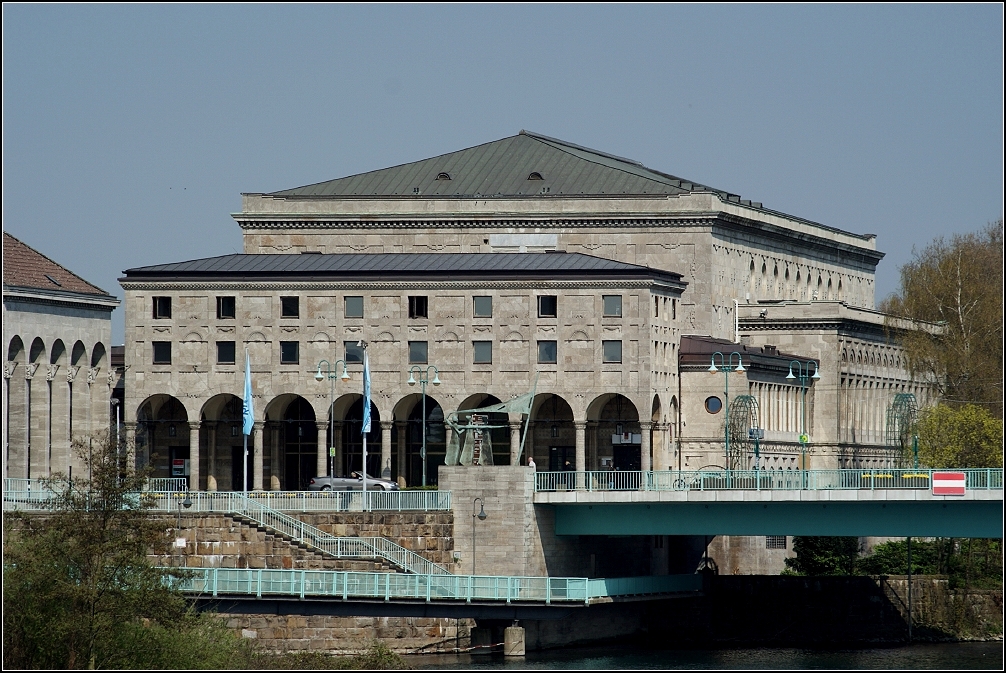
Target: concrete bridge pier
x: 513, y: 641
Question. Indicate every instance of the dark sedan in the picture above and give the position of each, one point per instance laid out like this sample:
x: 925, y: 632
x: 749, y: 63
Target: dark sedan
x: 353, y: 482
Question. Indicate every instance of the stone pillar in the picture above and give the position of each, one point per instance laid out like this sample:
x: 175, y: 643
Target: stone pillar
x: 529, y: 442
x: 581, y: 451
x: 513, y: 641
x: 386, y: 449
x: 211, y: 450
x: 130, y: 444
x: 645, y: 463
x: 514, y: 442
x: 402, y: 468
x: 194, y: 455
x: 257, y: 456
x: 275, y: 471
x: 321, y: 469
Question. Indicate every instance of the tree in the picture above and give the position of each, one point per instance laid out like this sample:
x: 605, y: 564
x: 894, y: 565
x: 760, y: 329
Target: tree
x: 79, y: 590
x: 957, y: 284
x: 962, y: 437
x: 824, y: 555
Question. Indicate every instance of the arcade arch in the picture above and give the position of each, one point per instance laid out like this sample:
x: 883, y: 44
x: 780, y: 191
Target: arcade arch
x: 614, y: 415
x: 162, y: 436
x: 552, y: 434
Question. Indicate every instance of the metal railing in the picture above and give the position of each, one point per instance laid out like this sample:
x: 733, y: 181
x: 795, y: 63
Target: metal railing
x: 299, y: 531
x: 29, y: 492
x: 214, y: 582
x: 758, y: 480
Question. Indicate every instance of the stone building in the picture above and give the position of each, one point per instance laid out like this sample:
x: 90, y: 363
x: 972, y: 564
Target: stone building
x: 57, y: 382
x: 592, y: 336
x: 510, y: 205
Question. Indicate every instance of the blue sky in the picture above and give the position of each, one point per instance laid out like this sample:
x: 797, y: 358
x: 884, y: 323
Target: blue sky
x: 129, y: 131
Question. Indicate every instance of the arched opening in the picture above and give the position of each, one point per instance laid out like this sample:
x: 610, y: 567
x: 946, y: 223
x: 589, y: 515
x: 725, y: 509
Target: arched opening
x: 499, y: 437
x: 162, y: 437
x: 98, y: 355
x: 618, y: 430
x: 352, y: 436
x: 553, y: 434
x: 16, y: 422
x: 292, y: 441
x: 222, y: 445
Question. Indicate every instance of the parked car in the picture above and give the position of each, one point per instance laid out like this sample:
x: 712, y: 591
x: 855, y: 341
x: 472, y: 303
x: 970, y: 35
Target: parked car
x: 354, y: 482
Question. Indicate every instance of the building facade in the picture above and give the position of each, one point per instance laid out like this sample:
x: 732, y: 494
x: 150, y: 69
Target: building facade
x: 57, y: 383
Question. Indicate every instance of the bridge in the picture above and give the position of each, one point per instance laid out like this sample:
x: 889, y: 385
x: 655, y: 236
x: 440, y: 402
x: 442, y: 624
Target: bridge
x: 895, y: 503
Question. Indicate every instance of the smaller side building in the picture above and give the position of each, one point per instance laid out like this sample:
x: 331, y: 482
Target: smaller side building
x: 57, y: 382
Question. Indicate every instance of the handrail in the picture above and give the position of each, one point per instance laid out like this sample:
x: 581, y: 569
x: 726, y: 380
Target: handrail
x: 980, y: 479
x: 387, y: 586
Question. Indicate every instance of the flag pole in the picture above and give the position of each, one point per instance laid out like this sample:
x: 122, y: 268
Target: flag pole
x: 366, y: 418
x: 247, y: 420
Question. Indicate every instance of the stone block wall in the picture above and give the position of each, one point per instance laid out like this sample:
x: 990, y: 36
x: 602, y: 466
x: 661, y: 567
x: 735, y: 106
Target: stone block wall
x: 429, y: 534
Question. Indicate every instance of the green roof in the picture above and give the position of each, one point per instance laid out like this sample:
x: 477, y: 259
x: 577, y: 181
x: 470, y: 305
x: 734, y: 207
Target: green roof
x: 511, y: 167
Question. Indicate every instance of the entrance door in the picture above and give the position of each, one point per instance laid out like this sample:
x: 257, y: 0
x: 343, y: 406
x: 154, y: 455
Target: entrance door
x: 238, y: 468
x: 300, y: 468
x: 626, y: 456
x: 558, y: 455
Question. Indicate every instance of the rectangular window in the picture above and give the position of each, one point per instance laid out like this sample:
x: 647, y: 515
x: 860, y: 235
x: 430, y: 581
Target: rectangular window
x: 775, y: 542
x: 611, y: 351
x: 162, y: 308
x: 290, y: 307
x: 482, y: 352
x: 418, y: 308
x: 354, y: 308
x: 483, y: 307
x: 612, y: 305
x: 418, y: 352
x: 225, y: 352
x: 548, y: 306
x: 674, y: 309
x: 656, y: 307
x: 354, y: 353
x: 289, y: 352
x: 162, y: 352
x: 547, y: 352
x: 225, y: 308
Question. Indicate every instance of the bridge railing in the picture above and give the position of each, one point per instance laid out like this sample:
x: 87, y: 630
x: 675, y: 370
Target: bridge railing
x: 757, y: 480
x: 214, y: 582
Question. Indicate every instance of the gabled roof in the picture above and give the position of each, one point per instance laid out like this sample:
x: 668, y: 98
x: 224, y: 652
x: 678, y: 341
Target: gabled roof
x: 25, y: 267
x: 505, y: 168
x: 462, y: 266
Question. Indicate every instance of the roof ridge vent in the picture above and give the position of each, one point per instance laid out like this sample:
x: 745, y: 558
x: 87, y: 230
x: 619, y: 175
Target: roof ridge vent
x: 443, y: 176
x: 535, y: 175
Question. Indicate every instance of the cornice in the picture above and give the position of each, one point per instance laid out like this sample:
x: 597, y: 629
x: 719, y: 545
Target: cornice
x: 68, y: 300
x: 405, y: 285
x: 291, y: 221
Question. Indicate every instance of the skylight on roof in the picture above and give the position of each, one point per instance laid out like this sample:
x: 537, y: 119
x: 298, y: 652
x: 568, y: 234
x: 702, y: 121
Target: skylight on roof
x: 443, y: 176
x: 535, y: 176
x: 54, y: 281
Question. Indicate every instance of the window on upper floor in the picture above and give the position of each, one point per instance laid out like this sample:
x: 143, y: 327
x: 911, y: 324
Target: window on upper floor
x: 482, y: 352
x: 548, y: 306
x: 162, y: 352
x: 162, y: 308
x: 289, y: 352
x: 353, y: 353
x: 225, y: 308
x: 547, y: 352
x: 418, y: 352
x: 612, y: 305
x: 775, y: 542
x: 611, y: 351
x: 483, y: 307
x: 354, y: 308
x: 226, y: 352
x: 290, y: 307
x: 418, y: 307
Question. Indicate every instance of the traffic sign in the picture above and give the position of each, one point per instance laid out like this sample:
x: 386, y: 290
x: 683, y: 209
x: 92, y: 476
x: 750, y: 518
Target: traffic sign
x: 949, y: 483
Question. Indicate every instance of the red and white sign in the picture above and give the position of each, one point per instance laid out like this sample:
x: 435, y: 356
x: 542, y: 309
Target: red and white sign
x: 948, y: 483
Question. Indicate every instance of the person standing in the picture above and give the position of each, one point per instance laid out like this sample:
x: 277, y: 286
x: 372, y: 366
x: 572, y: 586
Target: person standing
x: 530, y: 463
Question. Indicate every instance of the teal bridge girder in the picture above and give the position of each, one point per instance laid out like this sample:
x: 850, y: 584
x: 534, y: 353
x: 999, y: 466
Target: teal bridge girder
x: 896, y: 503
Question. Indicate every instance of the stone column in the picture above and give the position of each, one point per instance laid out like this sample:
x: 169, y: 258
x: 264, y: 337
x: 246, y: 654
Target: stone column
x: 402, y: 469
x: 257, y: 457
x: 194, y: 455
x: 514, y: 442
x: 130, y: 445
x: 581, y: 451
x: 592, y: 444
x: 275, y: 470
x: 321, y: 468
x: 386, y: 449
x: 645, y: 464
x: 211, y: 462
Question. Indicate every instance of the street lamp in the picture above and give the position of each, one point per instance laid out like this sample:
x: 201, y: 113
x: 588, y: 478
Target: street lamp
x: 183, y: 503
x: 803, y: 374
x: 481, y: 516
x: 726, y: 365
x: 318, y: 376
x: 424, y: 378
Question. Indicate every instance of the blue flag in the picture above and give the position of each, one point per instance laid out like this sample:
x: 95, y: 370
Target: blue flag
x: 248, y: 411
x: 366, y: 392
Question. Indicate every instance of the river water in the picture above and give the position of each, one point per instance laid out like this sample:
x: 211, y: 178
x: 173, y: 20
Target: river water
x: 970, y: 656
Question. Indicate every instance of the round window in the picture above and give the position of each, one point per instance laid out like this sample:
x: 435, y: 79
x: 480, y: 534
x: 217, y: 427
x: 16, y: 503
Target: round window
x: 713, y: 405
